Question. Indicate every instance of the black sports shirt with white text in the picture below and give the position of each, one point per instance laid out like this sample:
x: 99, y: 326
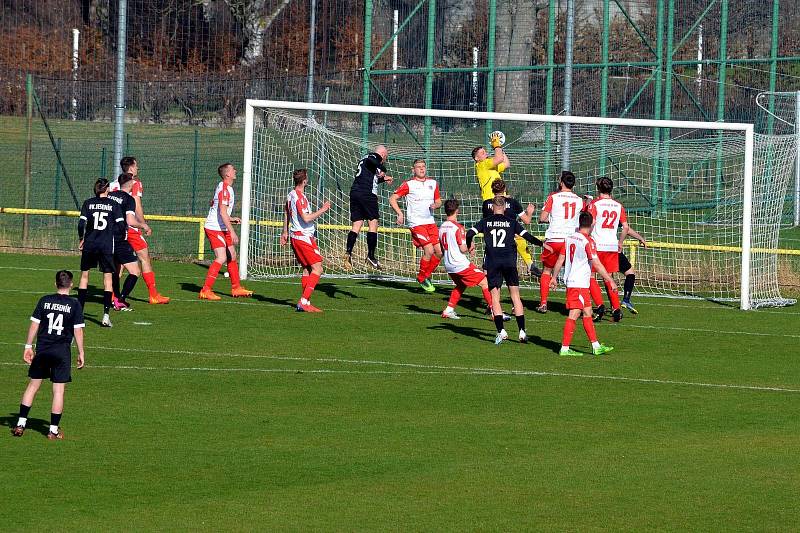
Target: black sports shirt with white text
x: 57, y: 315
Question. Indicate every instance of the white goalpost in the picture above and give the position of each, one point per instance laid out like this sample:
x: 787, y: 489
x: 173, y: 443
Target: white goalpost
x: 700, y: 192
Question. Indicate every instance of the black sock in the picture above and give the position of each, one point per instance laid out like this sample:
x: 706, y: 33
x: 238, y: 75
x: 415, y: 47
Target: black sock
x: 106, y: 301
x: 55, y: 418
x: 520, y: 322
x: 127, y: 287
x: 498, y: 322
x: 82, y: 297
x: 630, y: 279
x: 115, y: 281
x: 372, y: 243
x: 24, y: 410
x: 352, y: 236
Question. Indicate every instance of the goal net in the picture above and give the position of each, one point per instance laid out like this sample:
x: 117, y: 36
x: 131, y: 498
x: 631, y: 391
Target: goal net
x: 707, y: 197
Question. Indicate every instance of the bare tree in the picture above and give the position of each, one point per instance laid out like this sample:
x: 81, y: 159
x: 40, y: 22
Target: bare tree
x: 456, y: 14
x: 516, y: 28
x: 256, y: 21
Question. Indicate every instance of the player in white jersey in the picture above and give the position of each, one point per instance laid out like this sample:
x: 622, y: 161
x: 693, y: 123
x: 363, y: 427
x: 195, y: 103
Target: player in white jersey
x: 578, y: 256
x: 299, y: 226
x: 219, y: 230
x: 561, y: 212
x: 609, y: 215
x: 422, y: 197
x: 453, y: 239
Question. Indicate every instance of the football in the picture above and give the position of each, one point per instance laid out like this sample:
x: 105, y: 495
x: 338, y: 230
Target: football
x: 500, y: 135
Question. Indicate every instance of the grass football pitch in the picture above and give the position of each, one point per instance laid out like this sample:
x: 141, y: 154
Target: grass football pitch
x: 379, y: 415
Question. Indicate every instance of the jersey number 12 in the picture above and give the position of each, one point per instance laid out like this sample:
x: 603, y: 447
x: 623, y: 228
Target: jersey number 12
x: 498, y: 238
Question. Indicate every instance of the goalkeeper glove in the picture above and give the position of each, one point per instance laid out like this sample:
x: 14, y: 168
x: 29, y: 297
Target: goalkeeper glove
x: 495, y: 140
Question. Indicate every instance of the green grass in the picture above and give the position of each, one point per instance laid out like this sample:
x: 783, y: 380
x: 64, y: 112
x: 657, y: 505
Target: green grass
x: 377, y: 414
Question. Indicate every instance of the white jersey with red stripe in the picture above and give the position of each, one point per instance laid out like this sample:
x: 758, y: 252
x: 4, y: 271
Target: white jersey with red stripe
x: 451, y: 236
x: 419, y: 194
x: 299, y: 228
x: 564, y: 208
x: 579, y: 251
x: 608, y: 215
x: 223, y: 199
x: 136, y: 192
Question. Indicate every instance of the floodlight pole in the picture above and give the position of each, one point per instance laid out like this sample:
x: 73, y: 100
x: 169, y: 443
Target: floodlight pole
x: 570, y: 40
x: 119, y: 107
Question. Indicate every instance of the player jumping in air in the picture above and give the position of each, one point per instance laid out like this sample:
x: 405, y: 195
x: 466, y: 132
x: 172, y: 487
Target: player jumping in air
x: 561, y: 211
x: 422, y: 197
x: 101, y: 218
x: 371, y: 171
x: 135, y: 238
x: 452, y: 236
x: 220, y: 233
x: 579, y: 255
x: 608, y: 215
x: 487, y: 172
x: 57, y: 318
x: 298, y: 224
x: 501, y: 262
x: 123, y: 252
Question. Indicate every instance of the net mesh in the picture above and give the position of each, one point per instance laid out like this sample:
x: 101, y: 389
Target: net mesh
x: 684, y: 196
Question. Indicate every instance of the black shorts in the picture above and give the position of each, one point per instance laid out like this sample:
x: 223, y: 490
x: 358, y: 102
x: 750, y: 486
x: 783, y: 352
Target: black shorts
x: 52, y: 362
x: 92, y: 258
x: 624, y: 264
x: 123, y: 253
x: 495, y: 275
x: 363, y: 207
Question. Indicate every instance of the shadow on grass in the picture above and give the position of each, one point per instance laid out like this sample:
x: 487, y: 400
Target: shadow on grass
x: 33, y: 424
x: 549, y: 344
x: 467, y: 331
x: 331, y: 290
x: 408, y: 286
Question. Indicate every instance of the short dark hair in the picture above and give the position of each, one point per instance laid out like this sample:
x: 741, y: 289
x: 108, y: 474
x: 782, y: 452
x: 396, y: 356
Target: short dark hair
x: 63, y: 279
x: 299, y: 175
x: 126, y: 163
x: 585, y: 219
x: 498, y: 186
x: 418, y: 161
x: 124, y: 178
x: 568, y: 179
x: 499, y: 201
x: 100, y: 186
x: 222, y: 167
x: 475, y: 151
x: 604, y: 185
x: 451, y: 206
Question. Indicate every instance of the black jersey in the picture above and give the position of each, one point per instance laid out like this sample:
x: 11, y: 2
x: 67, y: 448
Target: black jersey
x: 99, y: 222
x: 128, y: 206
x: 498, y: 236
x: 513, y: 208
x: 368, y: 175
x: 57, y: 316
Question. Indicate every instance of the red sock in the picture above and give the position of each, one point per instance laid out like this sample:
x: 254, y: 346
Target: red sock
x: 594, y: 290
x: 487, y: 295
x: 569, y: 329
x: 150, y: 281
x: 588, y: 325
x: 423, y: 269
x: 455, y: 296
x: 211, y: 277
x: 311, y: 283
x: 613, y: 296
x: 233, y: 272
x: 544, y: 288
x: 432, y: 264
x: 304, y: 281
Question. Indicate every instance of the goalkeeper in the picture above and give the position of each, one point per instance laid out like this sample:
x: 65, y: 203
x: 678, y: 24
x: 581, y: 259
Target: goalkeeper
x: 487, y: 171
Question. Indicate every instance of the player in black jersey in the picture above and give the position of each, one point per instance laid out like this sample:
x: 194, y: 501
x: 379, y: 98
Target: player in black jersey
x: 55, y: 320
x: 500, y: 262
x: 101, y: 218
x: 123, y: 251
x: 371, y: 171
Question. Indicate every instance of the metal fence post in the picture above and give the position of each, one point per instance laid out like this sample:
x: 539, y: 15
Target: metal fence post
x: 119, y: 107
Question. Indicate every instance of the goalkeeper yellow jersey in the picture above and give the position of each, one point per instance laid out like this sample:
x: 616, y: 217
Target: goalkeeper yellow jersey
x: 487, y: 173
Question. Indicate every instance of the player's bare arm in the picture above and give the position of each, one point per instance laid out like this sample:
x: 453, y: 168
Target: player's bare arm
x: 527, y: 215
x: 627, y: 230
x: 226, y: 219
x: 557, y: 268
x: 396, y: 208
x: 311, y: 217
x: 78, y: 333
x: 285, y: 232
x: 134, y: 222
x: 28, y: 353
x: 600, y: 269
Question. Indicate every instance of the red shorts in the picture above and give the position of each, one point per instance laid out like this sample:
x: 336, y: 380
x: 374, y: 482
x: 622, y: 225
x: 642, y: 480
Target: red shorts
x: 219, y: 239
x: 306, y: 250
x: 424, y: 235
x: 610, y: 261
x: 578, y: 298
x: 469, y: 277
x: 549, y: 258
x: 136, y: 240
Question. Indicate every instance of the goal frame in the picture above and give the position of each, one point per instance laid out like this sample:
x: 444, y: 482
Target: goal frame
x: 748, y: 129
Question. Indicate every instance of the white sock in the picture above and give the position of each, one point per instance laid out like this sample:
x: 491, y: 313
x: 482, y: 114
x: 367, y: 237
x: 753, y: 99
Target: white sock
x: 503, y: 332
x: 53, y: 429
x: 596, y: 344
x: 305, y: 302
x: 448, y: 309
x: 22, y: 421
x: 522, y: 333
x: 564, y: 347
x: 106, y: 317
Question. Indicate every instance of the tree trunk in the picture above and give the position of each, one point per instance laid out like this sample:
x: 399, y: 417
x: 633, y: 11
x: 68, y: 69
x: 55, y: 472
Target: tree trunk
x: 456, y: 14
x: 255, y: 23
x: 516, y: 26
